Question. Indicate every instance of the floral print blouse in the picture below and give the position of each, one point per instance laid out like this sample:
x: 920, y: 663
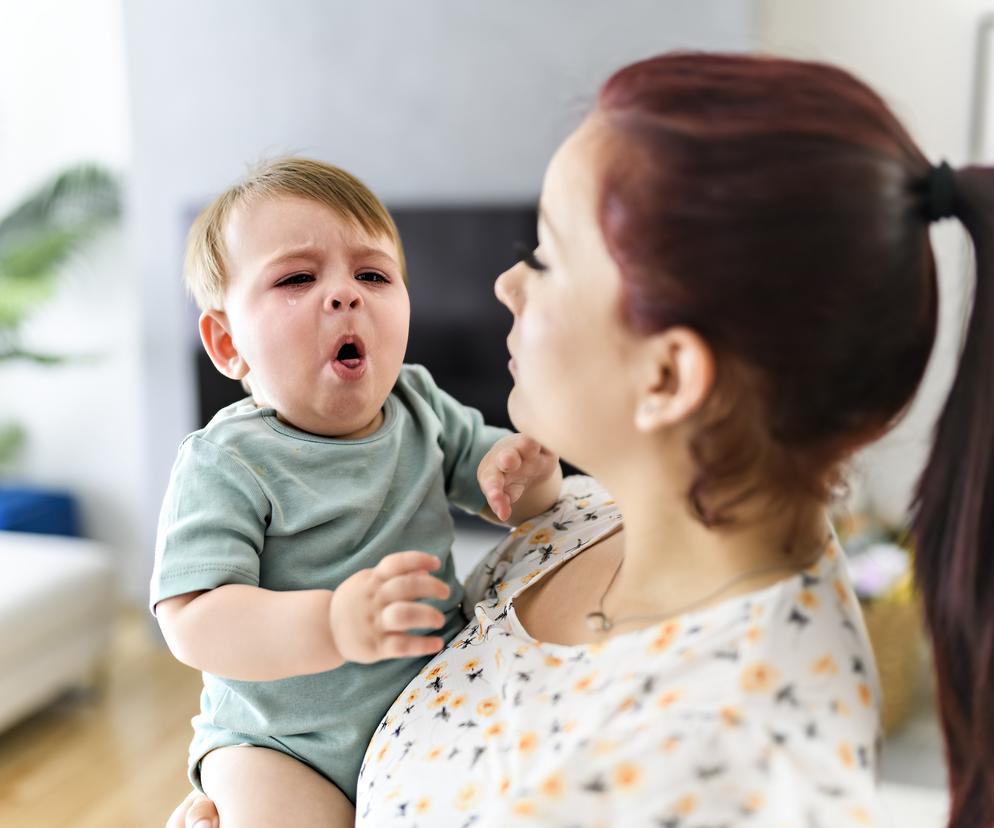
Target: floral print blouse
x: 759, y: 711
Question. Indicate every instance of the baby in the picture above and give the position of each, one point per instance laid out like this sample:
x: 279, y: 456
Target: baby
x: 303, y: 554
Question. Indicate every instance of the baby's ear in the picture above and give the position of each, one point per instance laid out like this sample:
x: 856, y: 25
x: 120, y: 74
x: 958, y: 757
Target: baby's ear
x: 215, y: 333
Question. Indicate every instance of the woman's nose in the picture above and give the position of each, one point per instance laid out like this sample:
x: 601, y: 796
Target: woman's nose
x: 343, y: 297
x: 507, y: 288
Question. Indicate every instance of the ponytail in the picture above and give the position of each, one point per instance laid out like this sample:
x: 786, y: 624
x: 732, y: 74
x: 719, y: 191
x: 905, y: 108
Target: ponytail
x: 954, y: 531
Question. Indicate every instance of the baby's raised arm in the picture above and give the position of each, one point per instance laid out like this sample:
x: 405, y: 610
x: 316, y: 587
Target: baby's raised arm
x: 253, y: 634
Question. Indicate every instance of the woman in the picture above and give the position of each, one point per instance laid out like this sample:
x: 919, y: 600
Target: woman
x: 734, y: 290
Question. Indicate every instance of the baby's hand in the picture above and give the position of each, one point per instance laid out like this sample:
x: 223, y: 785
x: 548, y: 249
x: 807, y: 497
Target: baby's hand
x: 512, y: 465
x: 372, y: 610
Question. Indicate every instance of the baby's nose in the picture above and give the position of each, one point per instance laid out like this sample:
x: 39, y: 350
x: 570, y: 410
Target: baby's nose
x: 342, y: 298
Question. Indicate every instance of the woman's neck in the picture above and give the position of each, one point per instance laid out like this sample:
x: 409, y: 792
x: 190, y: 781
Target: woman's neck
x: 671, y: 559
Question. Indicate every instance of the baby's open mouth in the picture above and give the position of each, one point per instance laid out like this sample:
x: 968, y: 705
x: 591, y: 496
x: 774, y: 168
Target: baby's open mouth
x: 349, y: 354
x: 349, y: 361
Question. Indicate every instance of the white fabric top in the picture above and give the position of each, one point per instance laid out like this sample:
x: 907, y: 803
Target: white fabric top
x: 759, y: 711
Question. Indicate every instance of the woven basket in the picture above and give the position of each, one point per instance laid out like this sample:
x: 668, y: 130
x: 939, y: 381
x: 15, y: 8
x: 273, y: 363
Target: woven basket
x: 896, y: 632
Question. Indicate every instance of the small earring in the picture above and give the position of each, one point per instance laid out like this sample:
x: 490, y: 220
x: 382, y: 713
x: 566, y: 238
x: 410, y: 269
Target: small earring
x: 650, y: 407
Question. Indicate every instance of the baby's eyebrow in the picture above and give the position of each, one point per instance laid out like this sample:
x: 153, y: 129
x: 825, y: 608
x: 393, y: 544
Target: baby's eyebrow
x: 298, y: 252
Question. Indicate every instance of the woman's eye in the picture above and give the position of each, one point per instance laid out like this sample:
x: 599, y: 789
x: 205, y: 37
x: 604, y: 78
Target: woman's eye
x: 527, y: 255
x: 296, y: 279
x: 371, y: 276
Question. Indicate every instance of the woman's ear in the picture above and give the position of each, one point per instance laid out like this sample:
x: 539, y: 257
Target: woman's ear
x: 215, y: 333
x: 678, y: 376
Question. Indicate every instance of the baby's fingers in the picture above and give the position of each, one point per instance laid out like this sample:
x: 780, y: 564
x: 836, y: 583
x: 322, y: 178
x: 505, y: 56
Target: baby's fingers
x: 400, y: 563
x: 401, y: 645
x: 410, y: 587
x: 410, y: 615
x: 509, y: 460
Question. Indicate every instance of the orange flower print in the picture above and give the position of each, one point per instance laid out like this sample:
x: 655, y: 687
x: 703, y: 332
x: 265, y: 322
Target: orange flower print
x: 524, y: 807
x: 436, y: 671
x: 582, y: 504
x: 527, y: 742
x: 504, y: 786
x: 458, y: 702
x: 833, y: 551
x: 759, y: 677
x: 411, y: 697
x: 861, y: 815
x: 753, y: 802
x: 670, y: 744
x: 584, y: 684
x: 433, y: 754
x: 806, y: 598
x: 668, y: 698
x: 522, y: 530
x: 467, y: 797
x: 730, y: 717
x: 501, y: 586
x: 471, y: 665
x: 440, y: 699
x: 846, y: 754
x: 383, y: 752
x: 528, y: 578
x: 423, y: 805
x: 604, y: 746
x: 686, y: 805
x: 553, y: 786
x: 825, y: 666
x: 627, y: 776
x: 488, y: 706
x: 626, y: 704
x: 493, y: 730
x: 665, y: 637
x: 754, y: 634
x: 839, y: 707
x: 865, y: 694
x: 540, y: 537
x: 552, y: 661
x: 840, y: 591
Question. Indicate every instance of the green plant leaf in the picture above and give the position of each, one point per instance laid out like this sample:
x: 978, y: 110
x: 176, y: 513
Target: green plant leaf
x: 12, y: 436
x: 43, y: 231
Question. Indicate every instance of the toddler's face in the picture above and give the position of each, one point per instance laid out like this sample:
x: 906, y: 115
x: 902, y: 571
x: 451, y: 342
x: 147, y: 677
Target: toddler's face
x: 318, y: 314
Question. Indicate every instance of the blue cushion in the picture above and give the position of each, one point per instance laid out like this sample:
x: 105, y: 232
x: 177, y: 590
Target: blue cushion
x: 24, y: 509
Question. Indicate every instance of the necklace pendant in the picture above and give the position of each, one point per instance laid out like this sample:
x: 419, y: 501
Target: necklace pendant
x: 598, y: 622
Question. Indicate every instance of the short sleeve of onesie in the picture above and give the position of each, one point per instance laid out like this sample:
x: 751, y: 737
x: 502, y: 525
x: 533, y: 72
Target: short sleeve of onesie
x: 464, y: 439
x: 212, y: 523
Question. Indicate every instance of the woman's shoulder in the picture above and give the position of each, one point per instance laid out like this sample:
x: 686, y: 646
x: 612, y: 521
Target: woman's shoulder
x: 583, y: 511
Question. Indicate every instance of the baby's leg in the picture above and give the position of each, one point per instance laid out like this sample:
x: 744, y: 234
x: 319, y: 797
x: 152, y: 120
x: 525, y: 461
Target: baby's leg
x: 257, y: 787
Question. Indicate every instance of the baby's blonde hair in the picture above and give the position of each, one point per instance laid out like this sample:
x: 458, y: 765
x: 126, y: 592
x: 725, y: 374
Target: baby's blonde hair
x: 204, y: 268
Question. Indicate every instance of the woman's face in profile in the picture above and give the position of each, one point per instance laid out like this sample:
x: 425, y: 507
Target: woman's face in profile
x: 573, y: 388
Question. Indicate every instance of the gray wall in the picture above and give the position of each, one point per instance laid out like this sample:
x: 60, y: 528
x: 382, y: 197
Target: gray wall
x: 435, y: 100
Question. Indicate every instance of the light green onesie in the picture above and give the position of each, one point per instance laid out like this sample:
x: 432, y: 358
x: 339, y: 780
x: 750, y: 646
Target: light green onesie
x: 252, y: 500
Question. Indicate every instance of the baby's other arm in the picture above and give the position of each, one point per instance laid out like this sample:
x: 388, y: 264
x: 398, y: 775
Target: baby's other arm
x: 520, y: 479
x: 252, y: 634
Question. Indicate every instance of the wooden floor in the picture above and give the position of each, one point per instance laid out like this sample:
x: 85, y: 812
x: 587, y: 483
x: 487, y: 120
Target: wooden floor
x: 113, y: 757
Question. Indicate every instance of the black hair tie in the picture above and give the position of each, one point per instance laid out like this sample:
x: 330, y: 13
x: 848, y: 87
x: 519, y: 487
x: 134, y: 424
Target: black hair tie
x: 940, y: 190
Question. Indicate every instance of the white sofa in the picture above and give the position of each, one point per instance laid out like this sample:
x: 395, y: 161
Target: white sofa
x: 57, y: 605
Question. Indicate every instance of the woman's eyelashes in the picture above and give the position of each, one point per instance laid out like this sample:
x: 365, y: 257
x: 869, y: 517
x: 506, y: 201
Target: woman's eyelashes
x: 527, y: 255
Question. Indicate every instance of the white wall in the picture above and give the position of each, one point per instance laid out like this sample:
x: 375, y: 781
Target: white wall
x: 62, y: 100
x: 918, y: 54
x: 436, y: 100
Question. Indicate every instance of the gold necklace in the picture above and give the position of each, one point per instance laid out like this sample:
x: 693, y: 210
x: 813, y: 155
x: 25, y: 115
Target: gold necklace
x: 600, y: 621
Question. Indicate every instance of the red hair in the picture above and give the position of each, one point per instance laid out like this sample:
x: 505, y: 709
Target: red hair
x: 780, y: 209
